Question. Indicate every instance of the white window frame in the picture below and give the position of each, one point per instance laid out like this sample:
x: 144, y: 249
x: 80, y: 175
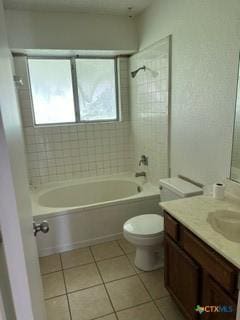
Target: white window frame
x: 77, y: 106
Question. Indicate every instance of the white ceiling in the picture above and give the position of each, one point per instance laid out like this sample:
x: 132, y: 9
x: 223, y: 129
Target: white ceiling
x: 118, y: 7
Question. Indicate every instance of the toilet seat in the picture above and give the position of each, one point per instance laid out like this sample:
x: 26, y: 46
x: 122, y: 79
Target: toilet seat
x: 145, y: 226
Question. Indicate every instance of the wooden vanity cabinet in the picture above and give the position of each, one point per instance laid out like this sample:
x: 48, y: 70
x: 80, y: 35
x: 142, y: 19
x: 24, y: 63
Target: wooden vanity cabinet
x: 196, y: 275
x: 213, y: 295
x: 182, y: 278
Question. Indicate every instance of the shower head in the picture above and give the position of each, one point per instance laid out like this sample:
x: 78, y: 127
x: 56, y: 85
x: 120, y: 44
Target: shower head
x: 135, y: 72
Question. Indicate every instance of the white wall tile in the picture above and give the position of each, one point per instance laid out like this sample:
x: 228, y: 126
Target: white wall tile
x: 149, y: 102
x: 82, y: 150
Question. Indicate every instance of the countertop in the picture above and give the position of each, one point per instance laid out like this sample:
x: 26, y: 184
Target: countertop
x: 193, y: 213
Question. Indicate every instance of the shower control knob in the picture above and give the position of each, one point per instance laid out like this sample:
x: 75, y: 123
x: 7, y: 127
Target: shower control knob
x: 43, y: 227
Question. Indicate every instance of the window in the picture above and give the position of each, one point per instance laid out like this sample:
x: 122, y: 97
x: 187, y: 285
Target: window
x: 69, y: 90
x: 96, y: 89
x: 52, y: 91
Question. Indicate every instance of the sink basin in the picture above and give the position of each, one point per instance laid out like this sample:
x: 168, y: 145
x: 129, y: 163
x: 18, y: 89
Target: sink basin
x: 227, y: 223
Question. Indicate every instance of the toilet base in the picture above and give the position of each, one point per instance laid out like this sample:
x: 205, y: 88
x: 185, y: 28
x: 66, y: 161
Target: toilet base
x: 148, y: 259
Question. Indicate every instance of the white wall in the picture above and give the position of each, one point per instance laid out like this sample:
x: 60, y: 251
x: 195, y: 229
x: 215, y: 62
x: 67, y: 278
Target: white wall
x: 206, y: 44
x: 41, y: 30
x: 149, y: 93
x: 236, y: 144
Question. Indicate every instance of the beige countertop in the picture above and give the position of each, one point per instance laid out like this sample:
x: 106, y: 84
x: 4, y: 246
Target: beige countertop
x: 193, y: 213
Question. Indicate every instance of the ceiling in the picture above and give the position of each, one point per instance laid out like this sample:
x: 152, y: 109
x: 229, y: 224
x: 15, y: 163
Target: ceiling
x: 115, y: 7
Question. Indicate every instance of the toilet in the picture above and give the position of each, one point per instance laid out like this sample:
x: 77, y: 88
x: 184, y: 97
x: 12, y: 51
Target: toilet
x: 146, y: 231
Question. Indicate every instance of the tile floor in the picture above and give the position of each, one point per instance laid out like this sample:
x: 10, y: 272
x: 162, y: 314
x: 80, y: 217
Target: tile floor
x: 101, y: 282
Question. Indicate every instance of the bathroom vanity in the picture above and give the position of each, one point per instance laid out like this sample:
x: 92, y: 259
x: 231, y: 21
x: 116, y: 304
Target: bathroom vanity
x: 201, y: 265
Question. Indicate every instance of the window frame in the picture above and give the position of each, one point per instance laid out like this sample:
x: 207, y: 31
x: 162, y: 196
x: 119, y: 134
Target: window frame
x: 77, y: 107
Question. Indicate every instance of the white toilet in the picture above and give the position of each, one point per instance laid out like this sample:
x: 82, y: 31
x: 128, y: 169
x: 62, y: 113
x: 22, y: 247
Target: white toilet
x: 146, y: 231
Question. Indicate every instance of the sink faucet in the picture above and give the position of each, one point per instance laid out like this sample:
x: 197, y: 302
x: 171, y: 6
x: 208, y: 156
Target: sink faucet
x: 140, y: 174
x: 143, y: 160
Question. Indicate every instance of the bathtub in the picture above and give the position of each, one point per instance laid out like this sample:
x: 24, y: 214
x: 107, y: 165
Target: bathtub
x: 85, y: 212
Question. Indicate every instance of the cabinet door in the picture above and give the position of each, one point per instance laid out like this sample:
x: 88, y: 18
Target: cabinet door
x: 214, y: 295
x: 182, y: 278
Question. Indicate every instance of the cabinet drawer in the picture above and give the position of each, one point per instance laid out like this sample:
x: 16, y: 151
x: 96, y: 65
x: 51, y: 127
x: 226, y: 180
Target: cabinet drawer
x: 171, y: 226
x: 215, y: 265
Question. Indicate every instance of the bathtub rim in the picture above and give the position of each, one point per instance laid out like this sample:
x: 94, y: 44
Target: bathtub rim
x: 149, y: 191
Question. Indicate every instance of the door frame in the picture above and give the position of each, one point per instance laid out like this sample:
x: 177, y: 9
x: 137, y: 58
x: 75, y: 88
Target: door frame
x: 15, y: 206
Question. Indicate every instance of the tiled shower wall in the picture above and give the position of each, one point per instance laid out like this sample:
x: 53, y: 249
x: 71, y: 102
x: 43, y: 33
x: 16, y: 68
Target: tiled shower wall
x: 149, y: 92
x: 69, y: 151
x: 57, y: 153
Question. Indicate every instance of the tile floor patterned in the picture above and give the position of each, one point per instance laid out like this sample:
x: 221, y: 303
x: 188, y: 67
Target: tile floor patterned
x: 154, y: 282
x: 57, y: 308
x: 50, y: 264
x: 76, y: 257
x: 126, y: 246
x: 169, y: 309
x: 82, y: 277
x: 90, y: 303
x: 115, y: 268
x: 144, y: 312
x: 53, y: 284
x: 102, y: 283
x: 126, y: 293
x: 106, y: 250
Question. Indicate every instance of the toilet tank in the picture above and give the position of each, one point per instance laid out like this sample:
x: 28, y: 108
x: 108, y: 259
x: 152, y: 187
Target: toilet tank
x: 177, y: 188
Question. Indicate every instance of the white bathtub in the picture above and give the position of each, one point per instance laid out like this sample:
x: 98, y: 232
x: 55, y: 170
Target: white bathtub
x: 88, y: 211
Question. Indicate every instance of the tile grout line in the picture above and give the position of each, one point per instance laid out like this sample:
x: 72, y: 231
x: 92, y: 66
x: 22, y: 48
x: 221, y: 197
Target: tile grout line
x: 93, y: 286
x: 128, y: 308
x: 137, y: 305
x: 103, y: 283
x: 80, y: 265
x: 153, y: 301
x: 64, y: 279
x: 131, y: 276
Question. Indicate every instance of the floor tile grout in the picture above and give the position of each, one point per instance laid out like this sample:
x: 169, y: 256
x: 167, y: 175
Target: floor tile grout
x: 96, y: 285
x: 84, y: 264
x: 132, y: 307
x: 59, y: 295
x: 68, y: 302
x: 80, y: 290
x: 104, y: 284
x: 136, y: 273
x: 99, y: 318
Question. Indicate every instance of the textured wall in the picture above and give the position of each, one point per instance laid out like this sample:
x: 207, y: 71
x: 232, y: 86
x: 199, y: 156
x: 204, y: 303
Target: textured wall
x: 205, y: 50
x: 64, y: 152
x: 59, y: 30
x: 235, y: 169
x: 149, y: 109
x: 236, y: 143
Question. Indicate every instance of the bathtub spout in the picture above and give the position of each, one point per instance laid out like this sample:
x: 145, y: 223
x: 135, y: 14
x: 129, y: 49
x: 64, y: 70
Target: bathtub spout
x: 140, y: 174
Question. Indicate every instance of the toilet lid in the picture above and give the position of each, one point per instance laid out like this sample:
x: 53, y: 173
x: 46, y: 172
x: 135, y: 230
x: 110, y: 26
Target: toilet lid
x: 144, y: 225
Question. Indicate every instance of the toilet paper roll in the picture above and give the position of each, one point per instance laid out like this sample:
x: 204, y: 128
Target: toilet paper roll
x: 218, y: 191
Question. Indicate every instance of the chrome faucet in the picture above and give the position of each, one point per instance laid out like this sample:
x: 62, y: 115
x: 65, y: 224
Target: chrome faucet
x: 143, y: 160
x: 140, y: 174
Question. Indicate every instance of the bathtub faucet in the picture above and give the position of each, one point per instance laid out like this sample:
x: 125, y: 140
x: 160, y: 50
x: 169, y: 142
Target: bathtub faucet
x: 143, y: 160
x: 140, y: 174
